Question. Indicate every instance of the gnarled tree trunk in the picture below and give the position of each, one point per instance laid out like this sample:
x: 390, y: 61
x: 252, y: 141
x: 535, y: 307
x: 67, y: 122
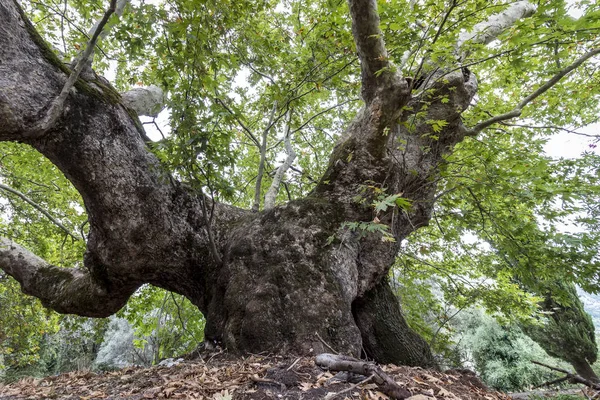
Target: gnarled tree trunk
x: 276, y: 283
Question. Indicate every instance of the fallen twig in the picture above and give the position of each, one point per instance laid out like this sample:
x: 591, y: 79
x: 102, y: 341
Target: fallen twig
x: 294, y: 363
x: 543, y: 394
x: 348, y: 389
x: 325, y: 343
x: 344, y: 363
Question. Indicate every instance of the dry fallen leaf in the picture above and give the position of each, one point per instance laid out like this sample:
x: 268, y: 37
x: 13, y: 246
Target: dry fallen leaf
x: 151, y: 393
x: 420, y: 382
x: 323, y: 378
x: 444, y: 393
x: 430, y: 378
x: 223, y: 395
x: 419, y: 397
x: 168, y: 391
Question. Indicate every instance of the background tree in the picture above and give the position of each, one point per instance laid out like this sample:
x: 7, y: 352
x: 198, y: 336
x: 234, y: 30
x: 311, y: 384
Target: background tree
x: 568, y: 332
x: 313, y: 270
x: 501, y: 354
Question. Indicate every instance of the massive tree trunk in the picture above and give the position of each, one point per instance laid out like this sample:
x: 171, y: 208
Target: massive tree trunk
x: 275, y: 283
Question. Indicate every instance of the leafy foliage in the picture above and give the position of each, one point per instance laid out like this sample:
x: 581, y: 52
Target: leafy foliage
x: 24, y: 323
x: 164, y: 324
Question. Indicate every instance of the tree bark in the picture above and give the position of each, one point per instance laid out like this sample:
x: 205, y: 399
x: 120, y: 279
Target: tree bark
x: 279, y: 285
x: 385, y: 335
x: 584, y: 369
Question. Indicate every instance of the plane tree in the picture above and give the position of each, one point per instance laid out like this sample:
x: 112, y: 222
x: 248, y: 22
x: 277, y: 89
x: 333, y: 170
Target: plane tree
x: 297, y: 275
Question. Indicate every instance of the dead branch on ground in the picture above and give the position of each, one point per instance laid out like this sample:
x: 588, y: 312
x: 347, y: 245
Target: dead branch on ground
x: 344, y: 363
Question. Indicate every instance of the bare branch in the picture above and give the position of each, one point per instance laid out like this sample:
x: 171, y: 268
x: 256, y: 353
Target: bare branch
x: 119, y: 8
x: 308, y: 121
x: 444, y: 20
x: 40, y: 209
x: 249, y: 65
x: 572, y: 377
x: 541, y: 90
x: 558, y: 77
x: 485, y: 32
x: 239, y: 121
x: 552, y: 127
x: 207, y: 222
x: 291, y: 156
x: 57, y: 105
x: 263, y: 156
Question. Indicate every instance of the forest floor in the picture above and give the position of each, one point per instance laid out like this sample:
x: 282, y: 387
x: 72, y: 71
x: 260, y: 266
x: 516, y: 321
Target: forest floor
x: 222, y: 377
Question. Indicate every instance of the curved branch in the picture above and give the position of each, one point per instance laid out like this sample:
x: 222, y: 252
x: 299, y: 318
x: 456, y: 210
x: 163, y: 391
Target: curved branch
x: 485, y: 32
x: 66, y: 290
x: 515, y: 112
x: 291, y: 155
x: 308, y: 121
x: 263, y: 155
x: 57, y: 105
x: 40, y: 209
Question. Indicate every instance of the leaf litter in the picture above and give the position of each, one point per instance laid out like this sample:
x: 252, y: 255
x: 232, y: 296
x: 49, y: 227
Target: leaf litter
x: 223, y: 377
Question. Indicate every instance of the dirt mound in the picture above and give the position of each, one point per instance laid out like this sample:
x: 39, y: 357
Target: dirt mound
x: 255, y: 377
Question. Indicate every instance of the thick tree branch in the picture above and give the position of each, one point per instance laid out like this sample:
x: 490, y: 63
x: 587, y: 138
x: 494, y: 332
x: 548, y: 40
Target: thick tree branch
x: 40, y: 209
x: 541, y: 90
x: 291, y: 155
x: 485, y: 32
x: 142, y: 224
x: 66, y: 290
x: 375, y: 65
x: 386, y: 384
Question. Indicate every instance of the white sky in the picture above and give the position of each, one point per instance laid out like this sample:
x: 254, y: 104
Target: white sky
x: 570, y: 145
